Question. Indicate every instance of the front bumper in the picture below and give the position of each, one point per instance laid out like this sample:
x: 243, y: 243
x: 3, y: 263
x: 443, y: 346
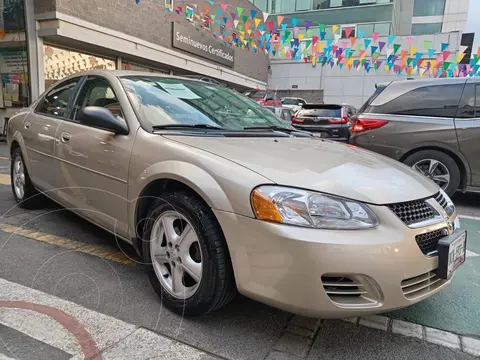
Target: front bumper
x: 283, y: 265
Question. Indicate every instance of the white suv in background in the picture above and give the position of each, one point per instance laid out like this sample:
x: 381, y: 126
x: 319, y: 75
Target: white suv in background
x: 293, y: 103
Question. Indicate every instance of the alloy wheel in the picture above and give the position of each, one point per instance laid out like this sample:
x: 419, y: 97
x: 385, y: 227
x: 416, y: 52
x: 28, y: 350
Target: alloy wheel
x: 18, y: 177
x: 435, y: 171
x: 176, y: 254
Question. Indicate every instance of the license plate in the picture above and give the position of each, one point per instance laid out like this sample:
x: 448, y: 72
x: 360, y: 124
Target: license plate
x: 452, y: 252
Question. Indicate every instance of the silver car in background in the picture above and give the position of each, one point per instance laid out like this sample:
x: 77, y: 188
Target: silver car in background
x: 431, y: 125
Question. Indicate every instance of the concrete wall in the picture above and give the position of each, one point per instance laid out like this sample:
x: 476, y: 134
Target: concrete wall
x: 455, y: 16
x: 402, y: 18
x: 341, y: 85
x: 149, y: 21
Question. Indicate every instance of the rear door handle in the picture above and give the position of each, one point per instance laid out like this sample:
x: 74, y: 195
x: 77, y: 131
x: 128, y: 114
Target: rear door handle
x: 65, y: 137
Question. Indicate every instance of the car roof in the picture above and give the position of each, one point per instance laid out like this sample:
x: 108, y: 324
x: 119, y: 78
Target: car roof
x: 122, y: 73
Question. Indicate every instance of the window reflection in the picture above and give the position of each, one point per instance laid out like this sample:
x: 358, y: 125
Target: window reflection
x: 60, y: 63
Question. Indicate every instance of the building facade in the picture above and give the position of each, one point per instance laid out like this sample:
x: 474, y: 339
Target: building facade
x: 395, y: 17
x: 42, y: 41
x: 424, y: 20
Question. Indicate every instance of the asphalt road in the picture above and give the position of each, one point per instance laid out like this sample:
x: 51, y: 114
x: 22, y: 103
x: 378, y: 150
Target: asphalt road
x: 71, y: 270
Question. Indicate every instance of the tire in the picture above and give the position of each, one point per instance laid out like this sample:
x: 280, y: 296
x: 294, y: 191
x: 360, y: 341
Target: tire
x: 421, y: 159
x: 216, y: 287
x: 25, y: 194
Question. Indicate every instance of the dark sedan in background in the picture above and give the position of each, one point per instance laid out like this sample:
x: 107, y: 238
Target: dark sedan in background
x: 325, y: 120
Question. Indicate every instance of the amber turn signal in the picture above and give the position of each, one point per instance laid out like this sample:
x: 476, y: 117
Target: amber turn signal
x: 264, y: 207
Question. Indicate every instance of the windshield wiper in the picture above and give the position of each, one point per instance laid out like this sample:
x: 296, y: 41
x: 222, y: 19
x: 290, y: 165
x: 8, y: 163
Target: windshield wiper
x: 276, y: 128
x: 186, y: 126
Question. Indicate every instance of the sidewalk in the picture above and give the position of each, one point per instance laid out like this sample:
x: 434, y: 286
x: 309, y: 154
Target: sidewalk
x: 40, y: 326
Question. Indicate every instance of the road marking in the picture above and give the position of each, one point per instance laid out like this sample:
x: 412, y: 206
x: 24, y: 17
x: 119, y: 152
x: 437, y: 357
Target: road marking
x: 88, y: 347
x: 469, y: 217
x: 115, y: 339
x: 471, y: 254
x: 4, y: 158
x: 5, y: 179
x: 105, y: 252
x: 4, y: 357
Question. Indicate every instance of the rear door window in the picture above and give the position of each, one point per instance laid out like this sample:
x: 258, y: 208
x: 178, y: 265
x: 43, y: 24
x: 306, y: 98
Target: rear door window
x: 432, y: 101
x: 377, y: 92
x: 469, y: 107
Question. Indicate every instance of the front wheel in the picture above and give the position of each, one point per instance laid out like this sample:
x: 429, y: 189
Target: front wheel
x: 188, y: 261
x: 438, y: 167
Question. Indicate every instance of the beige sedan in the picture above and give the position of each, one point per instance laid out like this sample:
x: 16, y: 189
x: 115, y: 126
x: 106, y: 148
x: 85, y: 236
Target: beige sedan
x: 219, y: 196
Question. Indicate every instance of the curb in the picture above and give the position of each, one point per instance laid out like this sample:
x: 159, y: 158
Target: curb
x: 465, y: 344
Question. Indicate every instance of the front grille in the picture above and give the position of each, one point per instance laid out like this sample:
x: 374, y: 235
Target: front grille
x: 413, y: 212
x: 441, y: 200
x: 421, y: 285
x: 428, y: 242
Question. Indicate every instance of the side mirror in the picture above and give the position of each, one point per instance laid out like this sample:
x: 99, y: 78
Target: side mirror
x: 300, y: 104
x: 101, y: 118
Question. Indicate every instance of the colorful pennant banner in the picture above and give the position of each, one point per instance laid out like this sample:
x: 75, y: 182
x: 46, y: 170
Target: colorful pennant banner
x: 334, y: 45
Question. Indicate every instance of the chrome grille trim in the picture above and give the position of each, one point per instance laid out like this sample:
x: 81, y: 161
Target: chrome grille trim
x: 427, y: 242
x: 421, y: 285
x: 441, y: 200
x: 349, y: 290
x: 413, y: 212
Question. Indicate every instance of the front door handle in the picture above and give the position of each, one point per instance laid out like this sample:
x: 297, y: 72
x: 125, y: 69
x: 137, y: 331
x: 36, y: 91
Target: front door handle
x: 65, y: 137
x: 27, y: 125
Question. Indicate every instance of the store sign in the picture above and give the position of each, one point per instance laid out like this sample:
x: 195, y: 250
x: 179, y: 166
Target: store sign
x: 13, y: 61
x: 187, y: 38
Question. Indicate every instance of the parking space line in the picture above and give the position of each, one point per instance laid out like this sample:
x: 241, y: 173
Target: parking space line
x: 4, y: 158
x: 104, y: 252
x: 5, y: 179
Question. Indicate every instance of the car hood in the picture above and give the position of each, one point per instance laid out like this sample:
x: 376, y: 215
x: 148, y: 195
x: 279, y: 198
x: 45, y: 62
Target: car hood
x: 321, y: 165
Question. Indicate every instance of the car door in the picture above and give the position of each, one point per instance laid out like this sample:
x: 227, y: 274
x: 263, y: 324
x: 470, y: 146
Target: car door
x: 467, y: 125
x: 93, y: 163
x: 39, y: 128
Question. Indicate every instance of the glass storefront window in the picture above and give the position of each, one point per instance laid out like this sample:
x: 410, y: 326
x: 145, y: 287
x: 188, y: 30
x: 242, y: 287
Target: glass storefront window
x: 367, y: 29
x: 426, y: 29
x: 14, y: 82
x: 428, y: 8
x: 302, y: 5
x: 135, y: 67
x: 59, y: 63
x: 382, y: 28
x: 282, y: 6
x: 261, y: 4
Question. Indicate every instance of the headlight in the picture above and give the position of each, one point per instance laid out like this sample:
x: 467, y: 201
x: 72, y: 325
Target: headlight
x: 304, y: 208
x: 449, y: 207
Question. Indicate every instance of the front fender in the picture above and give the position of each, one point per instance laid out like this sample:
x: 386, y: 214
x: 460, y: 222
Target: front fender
x: 191, y: 175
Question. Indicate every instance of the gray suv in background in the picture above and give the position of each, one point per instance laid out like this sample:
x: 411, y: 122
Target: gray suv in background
x: 431, y: 125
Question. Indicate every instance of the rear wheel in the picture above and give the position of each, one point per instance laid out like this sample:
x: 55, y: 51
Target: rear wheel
x: 186, y: 252
x: 438, y: 167
x: 23, y: 190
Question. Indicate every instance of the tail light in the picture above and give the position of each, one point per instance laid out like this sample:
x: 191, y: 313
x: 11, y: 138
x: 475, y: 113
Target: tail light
x: 342, y: 120
x: 295, y: 120
x: 361, y: 125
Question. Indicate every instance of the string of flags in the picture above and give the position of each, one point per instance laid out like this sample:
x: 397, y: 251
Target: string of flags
x: 324, y: 45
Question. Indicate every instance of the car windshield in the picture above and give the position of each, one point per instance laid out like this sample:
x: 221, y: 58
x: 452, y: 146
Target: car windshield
x: 163, y: 101
x: 290, y: 101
